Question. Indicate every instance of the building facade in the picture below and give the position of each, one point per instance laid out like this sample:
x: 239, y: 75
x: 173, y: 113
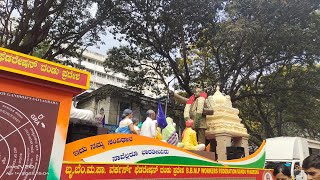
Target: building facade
x: 113, y: 100
x: 93, y: 62
x: 108, y: 91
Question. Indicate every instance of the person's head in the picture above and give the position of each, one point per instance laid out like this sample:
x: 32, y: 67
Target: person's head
x: 101, y: 111
x: 174, y: 125
x: 169, y: 120
x: 197, y: 92
x: 135, y: 121
x: 282, y: 172
x: 189, y: 123
x: 127, y: 113
x: 311, y: 166
x: 151, y: 114
x: 297, y: 166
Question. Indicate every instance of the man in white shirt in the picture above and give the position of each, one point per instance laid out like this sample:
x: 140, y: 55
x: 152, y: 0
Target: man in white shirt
x: 148, y: 127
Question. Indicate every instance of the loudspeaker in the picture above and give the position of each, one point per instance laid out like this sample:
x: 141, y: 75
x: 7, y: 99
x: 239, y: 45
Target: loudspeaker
x: 235, y: 152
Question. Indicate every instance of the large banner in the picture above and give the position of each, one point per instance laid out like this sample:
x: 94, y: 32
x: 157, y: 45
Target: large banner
x: 27, y: 126
x: 80, y: 171
x: 129, y: 156
x: 130, y: 148
x: 38, y: 68
x: 124, y: 148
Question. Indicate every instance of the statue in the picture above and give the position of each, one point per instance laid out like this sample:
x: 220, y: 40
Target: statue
x: 169, y: 133
x: 196, y: 108
x: 189, y: 138
x: 82, y: 114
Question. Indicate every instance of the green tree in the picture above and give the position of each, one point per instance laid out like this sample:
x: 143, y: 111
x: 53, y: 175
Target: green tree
x: 163, y: 29
x: 290, y: 107
x: 228, y: 43
x: 257, y: 38
x: 52, y: 27
x: 242, y: 46
x: 136, y: 64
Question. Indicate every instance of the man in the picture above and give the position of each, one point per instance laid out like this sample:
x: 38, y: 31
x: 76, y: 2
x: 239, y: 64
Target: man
x: 100, y: 118
x: 148, y: 127
x: 311, y: 166
x: 297, y: 171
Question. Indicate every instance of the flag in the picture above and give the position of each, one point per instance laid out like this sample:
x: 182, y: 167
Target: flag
x: 161, y: 118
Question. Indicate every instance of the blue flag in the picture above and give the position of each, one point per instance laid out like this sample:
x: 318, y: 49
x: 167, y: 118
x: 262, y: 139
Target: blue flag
x: 161, y: 118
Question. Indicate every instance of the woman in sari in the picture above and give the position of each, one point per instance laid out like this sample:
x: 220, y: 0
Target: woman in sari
x: 126, y: 125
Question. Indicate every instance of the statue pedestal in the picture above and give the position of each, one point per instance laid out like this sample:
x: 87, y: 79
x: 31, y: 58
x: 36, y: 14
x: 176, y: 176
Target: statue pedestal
x: 225, y: 140
x: 224, y: 128
x: 209, y: 155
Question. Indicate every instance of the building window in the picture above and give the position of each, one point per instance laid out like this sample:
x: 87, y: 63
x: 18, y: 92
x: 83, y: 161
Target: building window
x: 99, y: 63
x: 101, y: 75
x: 91, y: 61
x: 120, y: 80
x: 110, y: 77
x: 91, y: 71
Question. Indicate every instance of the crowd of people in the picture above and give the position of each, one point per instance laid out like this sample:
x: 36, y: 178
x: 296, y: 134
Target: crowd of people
x: 310, y: 165
x: 150, y: 128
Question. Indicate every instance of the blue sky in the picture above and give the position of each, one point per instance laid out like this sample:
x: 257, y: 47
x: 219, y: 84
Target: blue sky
x: 109, y: 41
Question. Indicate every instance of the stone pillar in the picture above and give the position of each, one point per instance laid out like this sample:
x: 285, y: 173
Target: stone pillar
x: 223, y: 141
x: 213, y: 147
x: 242, y: 142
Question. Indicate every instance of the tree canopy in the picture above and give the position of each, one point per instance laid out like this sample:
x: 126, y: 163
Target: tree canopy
x: 49, y: 28
x: 290, y: 107
x: 162, y: 29
x: 242, y: 46
x: 221, y: 42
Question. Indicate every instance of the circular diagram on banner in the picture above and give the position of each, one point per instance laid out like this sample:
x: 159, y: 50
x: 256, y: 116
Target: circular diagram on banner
x: 26, y: 136
x: 22, y: 153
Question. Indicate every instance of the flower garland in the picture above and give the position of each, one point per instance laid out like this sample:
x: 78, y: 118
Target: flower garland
x: 200, y: 104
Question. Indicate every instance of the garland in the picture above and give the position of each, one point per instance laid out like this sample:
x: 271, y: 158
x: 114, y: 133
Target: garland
x: 190, y: 101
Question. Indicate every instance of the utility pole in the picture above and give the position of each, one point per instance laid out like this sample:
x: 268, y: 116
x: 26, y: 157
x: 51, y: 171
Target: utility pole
x: 167, y: 99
